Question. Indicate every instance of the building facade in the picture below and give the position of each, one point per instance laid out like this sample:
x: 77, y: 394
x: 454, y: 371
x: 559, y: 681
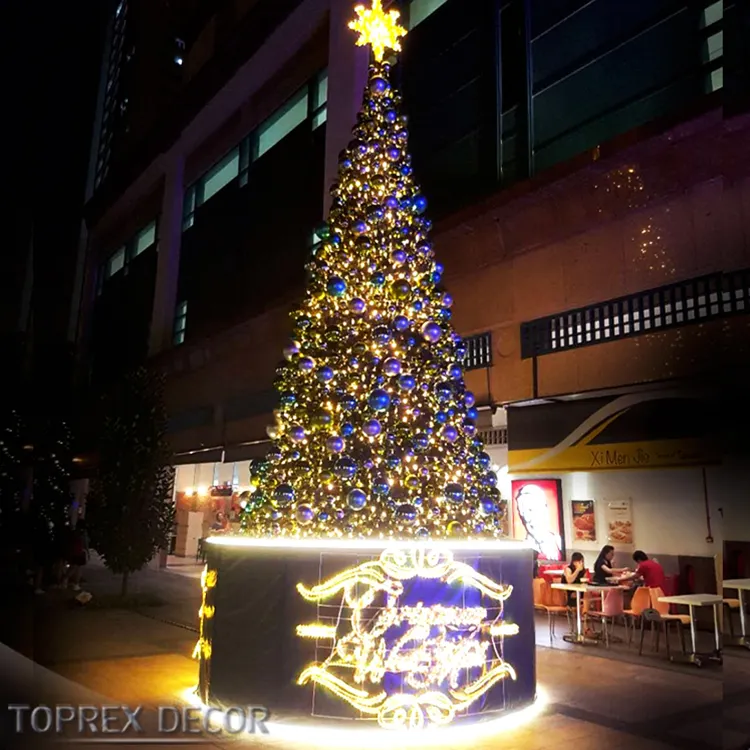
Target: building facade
x: 588, y: 170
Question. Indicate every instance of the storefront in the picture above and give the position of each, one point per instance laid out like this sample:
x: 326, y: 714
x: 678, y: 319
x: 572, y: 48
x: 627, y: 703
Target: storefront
x: 637, y: 470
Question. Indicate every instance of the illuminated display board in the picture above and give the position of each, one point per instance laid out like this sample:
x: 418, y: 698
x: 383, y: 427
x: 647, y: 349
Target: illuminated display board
x: 406, y: 637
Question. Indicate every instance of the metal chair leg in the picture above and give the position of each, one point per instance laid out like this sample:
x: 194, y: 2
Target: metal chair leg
x: 728, y: 610
x: 658, y: 638
x: 682, y: 637
x: 666, y: 638
x: 643, y: 636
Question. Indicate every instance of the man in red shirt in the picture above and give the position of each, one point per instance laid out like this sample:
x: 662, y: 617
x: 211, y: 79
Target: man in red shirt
x: 649, y: 570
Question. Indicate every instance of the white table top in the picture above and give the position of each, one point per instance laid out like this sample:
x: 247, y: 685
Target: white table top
x: 584, y: 587
x: 738, y: 583
x: 693, y: 600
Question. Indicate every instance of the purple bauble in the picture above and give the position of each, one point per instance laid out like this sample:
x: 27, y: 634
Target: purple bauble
x: 392, y: 366
x: 469, y: 399
x: 393, y: 153
x: 450, y: 433
x: 372, y: 428
x: 297, y: 433
x: 470, y: 427
x: 335, y: 444
x: 400, y: 323
x: 431, y: 331
x: 398, y: 257
x: 378, y: 86
x: 305, y: 515
x: 291, y: 350
x: 447, y: 300
x: 391, y: 202
x: 306, y: 364
x: 357, y: 305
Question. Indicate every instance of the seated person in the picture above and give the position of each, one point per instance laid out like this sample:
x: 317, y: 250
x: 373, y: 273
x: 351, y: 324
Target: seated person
x: 574, y: 573
x: 603, y: 566
x: 648, y: 571
x: 221, y: 524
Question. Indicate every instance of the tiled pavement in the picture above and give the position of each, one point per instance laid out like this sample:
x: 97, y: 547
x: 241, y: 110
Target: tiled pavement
x: 596, y: 699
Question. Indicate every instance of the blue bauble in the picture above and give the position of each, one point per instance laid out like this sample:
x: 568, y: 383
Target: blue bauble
x: 422, y: 533
x: 306, y: 364
x: 393, y: 153
x: 305, y: 515
x: 443, y: 391
x: 381, y: 335
x: 324, y: 374
x: 421, y: 442
x: 372, y: 428
x: 469, y: 399
x: 297, y: 433
x: 479, y: 527
x: 347, y: 429
x: 284, y: 494
x: 348, y: 402
x: 392, y: 366
x: 335, y: 444
x: 398, y: 257
x: 469, y: 427
x: 360, y: 227
x: 454, y: 492
x: 417, y: 306
x: 378, y: 86
x: 472, y: 413
x: 439, y: 268
x: 406, y: 204
x: 420, y: 204
x: 431, y: 331
x: 441, y: 417
x: 274, y: 454
x: 460, y: 351
x: 454, y: 372
x: 406, y: 382
x: 406, y: 513
x: 345, y: 468
x: 391, y: 116
x: 391, y: 202
x: 379, y: 400
x: 487, y: 505
x: 489, y: 479
x: 275, y: 515
x: 336, y: 286
x: 288, y: 398
x: 323, y: 516
x: 424, y: 247
x: 400, y: 323
x: 447, y: 300
x: 392, y: 461
x: 406, y: 170
x: 357, y: 306
x: 380, y: 486
x: 356, y: 499
x: 435, y: 277
x: 377, y: 279
x: 450, y: 433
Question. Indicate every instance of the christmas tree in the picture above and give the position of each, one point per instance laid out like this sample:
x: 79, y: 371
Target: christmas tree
x: 376, y: 433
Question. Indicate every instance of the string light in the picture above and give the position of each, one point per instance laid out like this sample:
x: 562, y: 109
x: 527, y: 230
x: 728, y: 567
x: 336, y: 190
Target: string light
x: 438, y: 646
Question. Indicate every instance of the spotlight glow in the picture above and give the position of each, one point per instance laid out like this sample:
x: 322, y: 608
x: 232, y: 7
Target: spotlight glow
x: 324, y: 735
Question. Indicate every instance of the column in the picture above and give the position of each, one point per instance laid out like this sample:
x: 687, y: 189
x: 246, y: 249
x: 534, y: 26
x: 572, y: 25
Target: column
x: 168, y: 264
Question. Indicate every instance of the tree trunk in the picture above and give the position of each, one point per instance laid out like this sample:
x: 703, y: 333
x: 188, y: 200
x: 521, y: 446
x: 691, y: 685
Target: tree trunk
x: 124, y: 589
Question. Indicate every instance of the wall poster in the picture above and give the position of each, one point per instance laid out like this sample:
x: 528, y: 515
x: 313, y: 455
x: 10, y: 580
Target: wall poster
x: 619, y: 522
x: 537, y: 515
x: 584, y: 521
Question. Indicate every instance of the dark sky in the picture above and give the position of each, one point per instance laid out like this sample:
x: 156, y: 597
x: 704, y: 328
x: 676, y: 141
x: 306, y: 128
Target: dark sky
x: 50, y: 58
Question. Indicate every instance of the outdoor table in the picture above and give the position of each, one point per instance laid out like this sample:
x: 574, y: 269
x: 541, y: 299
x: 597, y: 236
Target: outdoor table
x: 691, y: 601
x: 578, y: 589
x: 741, y: 585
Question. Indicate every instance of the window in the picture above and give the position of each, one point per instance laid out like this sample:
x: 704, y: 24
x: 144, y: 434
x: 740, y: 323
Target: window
x: 319, y: 100
x: 421, y: 9
x: 116, y: 262
x: 220, y: 175
x: 478, y: 351
x: 188, y: 208
x: 281, y: 123
x: 144, y: 239
x: 180, y: 323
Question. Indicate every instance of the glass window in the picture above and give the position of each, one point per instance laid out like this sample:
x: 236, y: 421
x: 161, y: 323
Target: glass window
x: 282, y: 122
x: 116, y: 262
x: 145, y: 238
x: 714, y: 46
x: 180, y: 323
x: 320, y: 100
x: 421, y: 9
x: 712, y: 14
x: 221, y: 174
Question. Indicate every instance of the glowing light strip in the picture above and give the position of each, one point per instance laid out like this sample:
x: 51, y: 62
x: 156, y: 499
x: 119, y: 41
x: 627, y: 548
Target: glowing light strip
x: 503, y: 629
x: 320, y: 734
x: 316, y: 630
x: 478, y: 545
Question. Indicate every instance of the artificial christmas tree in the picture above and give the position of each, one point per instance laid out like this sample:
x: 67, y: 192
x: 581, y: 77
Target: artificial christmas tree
x: 375, y: 435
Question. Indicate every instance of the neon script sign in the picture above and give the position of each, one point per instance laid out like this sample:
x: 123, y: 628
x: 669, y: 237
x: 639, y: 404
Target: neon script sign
x: 403, y: 661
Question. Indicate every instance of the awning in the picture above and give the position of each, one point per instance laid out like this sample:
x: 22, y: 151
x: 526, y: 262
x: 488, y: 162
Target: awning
x: 246, y: 451
x: 207, y: 456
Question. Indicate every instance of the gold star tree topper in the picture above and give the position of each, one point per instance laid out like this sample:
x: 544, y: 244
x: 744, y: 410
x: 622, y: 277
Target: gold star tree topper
x: 378, y: 29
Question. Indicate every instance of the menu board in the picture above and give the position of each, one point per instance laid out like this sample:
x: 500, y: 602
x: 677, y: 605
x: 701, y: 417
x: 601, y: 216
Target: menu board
x: 584, y: 521
x: 619, y: 522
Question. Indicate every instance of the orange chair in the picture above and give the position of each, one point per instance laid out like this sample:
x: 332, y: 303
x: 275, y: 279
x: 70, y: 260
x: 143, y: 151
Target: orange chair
x: 641, y: 600
x: 551, y: 601
x: 662, y: 608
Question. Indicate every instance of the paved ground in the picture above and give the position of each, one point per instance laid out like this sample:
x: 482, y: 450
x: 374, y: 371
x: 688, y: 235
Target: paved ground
x: 597, y: 698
